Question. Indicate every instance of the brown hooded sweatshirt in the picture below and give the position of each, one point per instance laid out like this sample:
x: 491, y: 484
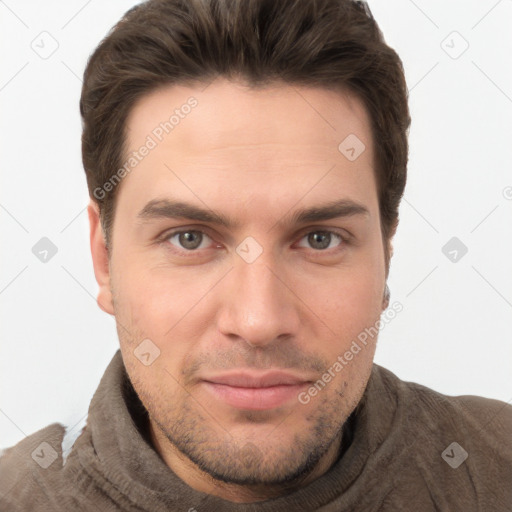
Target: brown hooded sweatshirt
x: 405, y: 448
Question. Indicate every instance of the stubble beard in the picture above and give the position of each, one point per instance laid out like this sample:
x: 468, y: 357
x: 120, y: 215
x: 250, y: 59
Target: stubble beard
x: 270, y: 462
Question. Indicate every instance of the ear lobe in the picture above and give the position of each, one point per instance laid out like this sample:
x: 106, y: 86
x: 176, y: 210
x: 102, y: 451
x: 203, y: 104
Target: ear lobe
x: 100, y: 259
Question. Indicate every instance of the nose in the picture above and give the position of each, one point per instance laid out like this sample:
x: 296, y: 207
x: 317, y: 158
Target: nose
x: 258, y: 303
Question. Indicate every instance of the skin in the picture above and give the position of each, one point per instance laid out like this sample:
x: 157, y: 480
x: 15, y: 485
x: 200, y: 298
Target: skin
x: 255, y: 156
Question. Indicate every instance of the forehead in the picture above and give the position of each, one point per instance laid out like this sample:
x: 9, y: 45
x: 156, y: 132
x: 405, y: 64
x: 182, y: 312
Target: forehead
x: 227, y: 112
x: 248, y: 146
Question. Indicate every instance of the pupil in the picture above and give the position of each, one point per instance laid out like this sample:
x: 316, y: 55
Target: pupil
x: 187, y: 240
x: 317, y: 237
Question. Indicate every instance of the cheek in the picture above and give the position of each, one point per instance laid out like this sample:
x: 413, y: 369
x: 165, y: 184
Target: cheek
x: 166, y: 306
x: 149, y: 299
x: 350, y: 296
x: 347, y: 302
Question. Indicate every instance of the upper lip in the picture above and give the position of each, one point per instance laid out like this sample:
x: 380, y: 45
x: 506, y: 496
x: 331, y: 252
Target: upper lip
x: 255, y: 380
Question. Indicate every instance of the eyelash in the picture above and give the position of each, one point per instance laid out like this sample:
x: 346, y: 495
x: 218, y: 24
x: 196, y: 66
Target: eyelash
x: 164, y: 239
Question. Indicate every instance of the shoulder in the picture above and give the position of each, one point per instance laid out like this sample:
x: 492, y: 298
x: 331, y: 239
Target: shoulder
x: 457, y: 450
x: 438, y: 410
x: 471, y: 427
x: 31, y: 468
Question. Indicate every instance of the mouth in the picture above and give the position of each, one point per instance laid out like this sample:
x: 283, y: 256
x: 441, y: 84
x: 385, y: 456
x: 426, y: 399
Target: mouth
x: 256, y: 392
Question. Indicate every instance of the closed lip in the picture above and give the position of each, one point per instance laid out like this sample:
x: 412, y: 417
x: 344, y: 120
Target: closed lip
x: 255, y: 380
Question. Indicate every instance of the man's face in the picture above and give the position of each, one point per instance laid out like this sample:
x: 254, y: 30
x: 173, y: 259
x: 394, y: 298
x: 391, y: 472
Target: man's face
x: 247, y: 316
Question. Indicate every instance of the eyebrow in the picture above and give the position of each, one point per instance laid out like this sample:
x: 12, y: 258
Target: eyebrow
x: 169, y: 209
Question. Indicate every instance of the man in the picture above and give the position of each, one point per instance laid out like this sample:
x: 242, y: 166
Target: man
x: 245, y: 162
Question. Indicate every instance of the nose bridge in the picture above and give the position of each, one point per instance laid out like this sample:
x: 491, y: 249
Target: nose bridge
x: 258, y: 283
x: 259, y: 307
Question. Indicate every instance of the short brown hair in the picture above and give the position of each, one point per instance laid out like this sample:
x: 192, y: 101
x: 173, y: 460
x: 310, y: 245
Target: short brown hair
x: 333, y: 44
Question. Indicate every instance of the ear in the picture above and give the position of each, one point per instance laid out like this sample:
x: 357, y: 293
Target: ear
x: 386, y: 295
x: 385, y: 298
x: 388, y: 244
x: 100, y: 258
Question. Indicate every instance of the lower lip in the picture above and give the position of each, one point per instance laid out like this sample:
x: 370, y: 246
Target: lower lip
x: 255, y: 399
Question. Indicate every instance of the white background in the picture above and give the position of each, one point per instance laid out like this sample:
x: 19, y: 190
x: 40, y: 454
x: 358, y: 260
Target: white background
x: 453, y: 334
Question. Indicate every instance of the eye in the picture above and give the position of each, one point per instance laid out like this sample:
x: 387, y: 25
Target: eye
x: 189, y: 240
x: 192, y: 240
x: 322, y: 239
